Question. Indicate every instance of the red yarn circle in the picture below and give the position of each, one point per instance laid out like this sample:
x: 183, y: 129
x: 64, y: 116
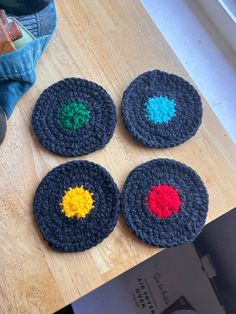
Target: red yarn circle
x: 164, y: 200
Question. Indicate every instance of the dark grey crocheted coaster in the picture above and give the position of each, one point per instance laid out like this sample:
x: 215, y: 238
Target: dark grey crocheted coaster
x: 165, y: 202
x: 76, y: 234
x: 161, y: 110
x: 74, y: 117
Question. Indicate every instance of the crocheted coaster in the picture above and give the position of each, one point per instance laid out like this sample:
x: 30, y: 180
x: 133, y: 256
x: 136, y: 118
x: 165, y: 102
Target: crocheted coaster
x: 74, y: 117
x: 161, y: 110
x: 165, y: 202
x: 76, y: 206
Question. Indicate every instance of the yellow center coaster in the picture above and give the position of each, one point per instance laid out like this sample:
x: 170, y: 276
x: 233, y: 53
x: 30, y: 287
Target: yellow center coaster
x: 76, y: 206
x: 77, y: 202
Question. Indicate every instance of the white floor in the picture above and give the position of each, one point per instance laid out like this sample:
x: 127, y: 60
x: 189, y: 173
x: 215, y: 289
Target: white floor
x: 208, y: 59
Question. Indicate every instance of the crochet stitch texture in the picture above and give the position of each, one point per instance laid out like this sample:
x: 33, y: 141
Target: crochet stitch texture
x: 160, y: 109
x: 163, y: 200
x: 77, y: 202
x: 76, y: 234
x: 175, y: 123
x: 74, y: 117
x: 181, y: 226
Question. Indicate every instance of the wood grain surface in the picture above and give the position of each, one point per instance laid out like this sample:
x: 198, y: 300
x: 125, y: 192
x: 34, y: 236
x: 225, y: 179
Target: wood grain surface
x: 109, y: 42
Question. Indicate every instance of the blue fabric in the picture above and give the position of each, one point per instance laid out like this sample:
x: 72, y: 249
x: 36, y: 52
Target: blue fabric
x: 17, y: 68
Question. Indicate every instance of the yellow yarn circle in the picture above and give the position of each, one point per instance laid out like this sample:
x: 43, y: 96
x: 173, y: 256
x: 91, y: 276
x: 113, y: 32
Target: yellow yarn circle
x: 77, y: 202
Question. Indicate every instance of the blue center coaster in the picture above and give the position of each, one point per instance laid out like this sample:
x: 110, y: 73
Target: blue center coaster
x: 161, y: 110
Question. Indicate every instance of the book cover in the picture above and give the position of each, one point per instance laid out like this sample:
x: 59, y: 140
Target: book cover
x: 198, y: 277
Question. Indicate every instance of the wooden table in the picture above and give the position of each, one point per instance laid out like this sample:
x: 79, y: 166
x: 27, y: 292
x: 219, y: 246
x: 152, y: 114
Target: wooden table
x: 109, y: 42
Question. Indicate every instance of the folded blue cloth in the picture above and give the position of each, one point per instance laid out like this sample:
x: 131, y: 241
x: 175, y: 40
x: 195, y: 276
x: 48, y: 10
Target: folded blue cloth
x: 17, y: 68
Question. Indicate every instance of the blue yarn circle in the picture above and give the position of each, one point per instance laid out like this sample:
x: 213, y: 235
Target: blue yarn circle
x: 160, y: 109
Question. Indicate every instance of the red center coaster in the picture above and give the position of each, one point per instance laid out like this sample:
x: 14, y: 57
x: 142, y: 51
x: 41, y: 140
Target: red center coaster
x: 164, y: 200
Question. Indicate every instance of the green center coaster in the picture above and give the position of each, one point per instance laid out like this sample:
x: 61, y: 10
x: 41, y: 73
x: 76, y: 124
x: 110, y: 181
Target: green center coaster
x: 74, y: 116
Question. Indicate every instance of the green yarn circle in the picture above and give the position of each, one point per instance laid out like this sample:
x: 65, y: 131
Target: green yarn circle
x: 74, y: 116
